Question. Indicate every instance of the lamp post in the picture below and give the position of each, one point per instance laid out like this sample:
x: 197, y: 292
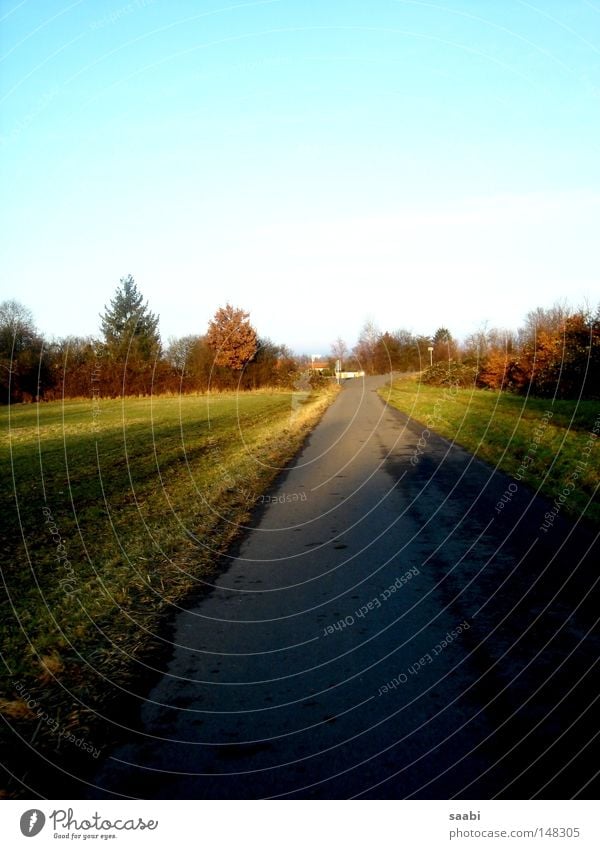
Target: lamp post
x: 430, y: 349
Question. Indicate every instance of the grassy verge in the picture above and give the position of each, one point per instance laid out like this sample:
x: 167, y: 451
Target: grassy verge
x: 541, y: 440
x: 112, y: 511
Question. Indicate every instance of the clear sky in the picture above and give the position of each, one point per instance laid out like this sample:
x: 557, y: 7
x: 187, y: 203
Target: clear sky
x: 318, y: 162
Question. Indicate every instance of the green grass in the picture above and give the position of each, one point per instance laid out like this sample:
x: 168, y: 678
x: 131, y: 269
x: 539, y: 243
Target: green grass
x: 140, y: 496
x: 509, y: 432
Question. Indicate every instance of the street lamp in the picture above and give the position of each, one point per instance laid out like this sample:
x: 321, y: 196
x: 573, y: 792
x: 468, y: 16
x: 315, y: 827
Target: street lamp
x: 430, y: 349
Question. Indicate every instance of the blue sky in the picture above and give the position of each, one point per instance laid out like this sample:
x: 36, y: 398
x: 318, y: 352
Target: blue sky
x: 318, y: 163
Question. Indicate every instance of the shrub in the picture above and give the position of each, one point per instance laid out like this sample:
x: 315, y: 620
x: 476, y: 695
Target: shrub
x: 450, y: 373
x: 500, y: 371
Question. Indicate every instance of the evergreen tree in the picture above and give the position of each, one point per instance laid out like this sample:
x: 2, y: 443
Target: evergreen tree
x: 442, y: 334
x: 444, y: 346
x: 128, y: 326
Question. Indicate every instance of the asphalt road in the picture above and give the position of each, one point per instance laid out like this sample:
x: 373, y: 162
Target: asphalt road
x: 381, y: 632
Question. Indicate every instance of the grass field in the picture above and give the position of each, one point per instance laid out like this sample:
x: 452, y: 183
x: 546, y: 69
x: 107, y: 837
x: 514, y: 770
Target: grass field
x: 517, y: 435
x: 112, y: 510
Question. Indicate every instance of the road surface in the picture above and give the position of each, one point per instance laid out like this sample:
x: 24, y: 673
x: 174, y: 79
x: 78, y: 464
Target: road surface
x: 381, y: 632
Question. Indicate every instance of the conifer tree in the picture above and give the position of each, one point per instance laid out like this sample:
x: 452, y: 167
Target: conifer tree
x: 128, y: 326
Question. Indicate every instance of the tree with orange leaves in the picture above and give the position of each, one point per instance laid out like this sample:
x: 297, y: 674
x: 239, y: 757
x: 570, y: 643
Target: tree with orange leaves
x: 232, y: 337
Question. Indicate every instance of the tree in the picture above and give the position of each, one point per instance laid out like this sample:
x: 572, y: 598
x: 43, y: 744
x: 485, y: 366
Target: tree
x: 476, y: 347
x: 232, y: 338
x: 272, y: 365
x: 422, y: 345
x: 132, y: 342
x: 405, y: 351
x: 442, y: 334
x: 24, y: 372
x: 191, y: 358
x: 549, y: 321
x: 339, y: 350
x: 128, y: 326
x: 178, y: 350
x: 543, y: 348
x: 500, y: 370
x: 76, y: 367
x: 444, y: 346
x: 365, y: 348
x: 17, y: 330
x: 561, y: 353
x: 387, y: 355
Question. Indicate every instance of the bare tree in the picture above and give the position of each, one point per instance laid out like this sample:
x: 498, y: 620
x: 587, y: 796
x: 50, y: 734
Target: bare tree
x: 17, y: 330
x: 365, y: 348
x: 339, y: 350
x: 23, y: 363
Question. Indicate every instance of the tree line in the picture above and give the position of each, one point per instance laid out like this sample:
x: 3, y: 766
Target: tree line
x: 556, y: 353
x: 128, y: 357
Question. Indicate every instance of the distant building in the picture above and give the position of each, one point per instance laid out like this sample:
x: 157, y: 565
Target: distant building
x: 319, y: 365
